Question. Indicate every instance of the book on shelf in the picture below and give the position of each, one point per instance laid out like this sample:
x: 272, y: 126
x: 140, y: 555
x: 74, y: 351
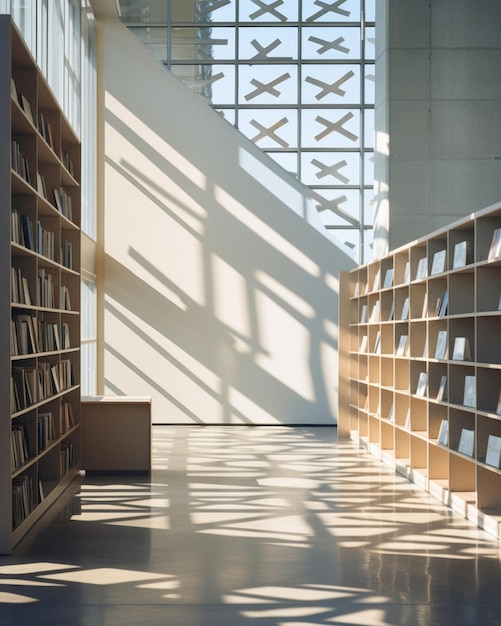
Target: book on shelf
x: 407, y: 422
x: 391, y: 414
x: 391, y: 314
x: 363, y: 314
x: 425, y: 347
x: 424, y: 312
x: 466, y: 442
x: 443, y: 433
x: 498, y: 406
x: 363, y: 344
x: 402, y: 345
x: 493, y: 453
x: 495, y: 248
x: 460, y: 255
x: 388, y: 278
x: 421, y: 384
x: 442, y: 389
x: 441, y: 348
x: 461, y: 350
x: 377, y: 343
x: 25, y: 105
x: 470, y: 391
x: 438, y: 264
x: 438, y: 304
x: 422, y: 269
x: 375, y: 284
x: 442, y: 312
x: 407, y: 273
x: 405, y: 310
x: 376, y: 312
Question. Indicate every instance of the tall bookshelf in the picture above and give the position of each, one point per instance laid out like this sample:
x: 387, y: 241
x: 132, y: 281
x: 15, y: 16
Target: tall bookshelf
x: 39, y: 293
x: 420, y: 363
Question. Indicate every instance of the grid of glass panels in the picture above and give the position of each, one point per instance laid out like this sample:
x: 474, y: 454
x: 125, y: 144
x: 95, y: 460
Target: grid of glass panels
x: 296, y: 77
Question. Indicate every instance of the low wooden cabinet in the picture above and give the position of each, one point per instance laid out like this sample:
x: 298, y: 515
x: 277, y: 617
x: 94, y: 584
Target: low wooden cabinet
x: 116, y: 434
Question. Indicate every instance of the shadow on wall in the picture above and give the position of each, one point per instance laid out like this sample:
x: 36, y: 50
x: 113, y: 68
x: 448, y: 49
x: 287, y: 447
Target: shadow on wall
x: 221, y: 288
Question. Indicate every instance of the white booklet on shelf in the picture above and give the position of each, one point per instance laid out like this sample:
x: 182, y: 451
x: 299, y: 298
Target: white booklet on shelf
x: 466, y: 442
x: 461, y: 351
x: 402, y: 345
x: 442, y: 389
x: 422, y: 269
x: 470, y: 391
x: 460, y: 254
x: 493, y: 454
x: 388, y: 279
x: 441, y: 349
x: 495, y: 249
x: 405, y: 310
x: 443, y: 433
x: 407, y: 273
x: 421, y: 385
x: 363, y: 314
x: 438, y: 265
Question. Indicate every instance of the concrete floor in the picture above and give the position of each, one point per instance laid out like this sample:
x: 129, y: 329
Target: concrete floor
x: 243, y: 526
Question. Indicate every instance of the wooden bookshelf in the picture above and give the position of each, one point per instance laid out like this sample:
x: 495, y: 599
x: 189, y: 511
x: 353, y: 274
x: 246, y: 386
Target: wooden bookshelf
x: 420, y: 385
x: 40, y: 294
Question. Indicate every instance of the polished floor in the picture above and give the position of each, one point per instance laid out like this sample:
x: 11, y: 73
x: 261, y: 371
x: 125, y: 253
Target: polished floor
x: 243, y: 526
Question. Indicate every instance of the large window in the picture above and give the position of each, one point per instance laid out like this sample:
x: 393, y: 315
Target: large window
x: 296, y: 77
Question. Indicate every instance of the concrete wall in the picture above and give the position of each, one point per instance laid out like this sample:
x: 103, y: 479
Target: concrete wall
x: 438, y: 114
x: 220, y: 283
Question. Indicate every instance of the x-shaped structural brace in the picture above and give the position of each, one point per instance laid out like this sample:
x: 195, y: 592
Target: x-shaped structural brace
x: 325, y: 45
x: 264, y: 51
x: 333, y: 205
x: 328, y: 8
x: 337, y: 127
x: 332, y: 88
x: 270, y: 132
x: 331, y: 170
x: 268, y: 87
x: 207, y: 81
x: 216, y: 4
x: 269, y: 8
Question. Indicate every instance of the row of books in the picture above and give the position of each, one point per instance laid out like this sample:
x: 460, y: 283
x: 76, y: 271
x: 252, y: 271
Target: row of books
x: 44, y: 127
x: 63, y: 203
x: 466, y: 444
x: 30, y: 336
x: 46, y: 433
x: 24, y: 499
x: 34, y: 384
x: 46, y: 430
x: 461, y: 257
x: 66, y: 459
x: 21, y: 294
x: 19, y: 445
x: 20, y: 163
x: 20, y: 287
x: 42, y: 241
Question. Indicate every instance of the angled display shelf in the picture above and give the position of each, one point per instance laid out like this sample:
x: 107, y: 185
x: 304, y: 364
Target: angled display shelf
x: 40, y: 293
x: 420, y: 363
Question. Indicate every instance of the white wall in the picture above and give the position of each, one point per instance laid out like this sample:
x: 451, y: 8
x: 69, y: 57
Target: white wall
x: 438, y: 114
x: 221, y: 285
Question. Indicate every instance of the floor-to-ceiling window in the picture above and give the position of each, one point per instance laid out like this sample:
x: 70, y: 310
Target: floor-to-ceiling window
x: 295, y: 76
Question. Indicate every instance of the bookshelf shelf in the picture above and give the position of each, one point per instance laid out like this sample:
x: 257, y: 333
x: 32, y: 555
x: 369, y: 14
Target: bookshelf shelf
x: 39, y: 185
x: 431, y: 407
